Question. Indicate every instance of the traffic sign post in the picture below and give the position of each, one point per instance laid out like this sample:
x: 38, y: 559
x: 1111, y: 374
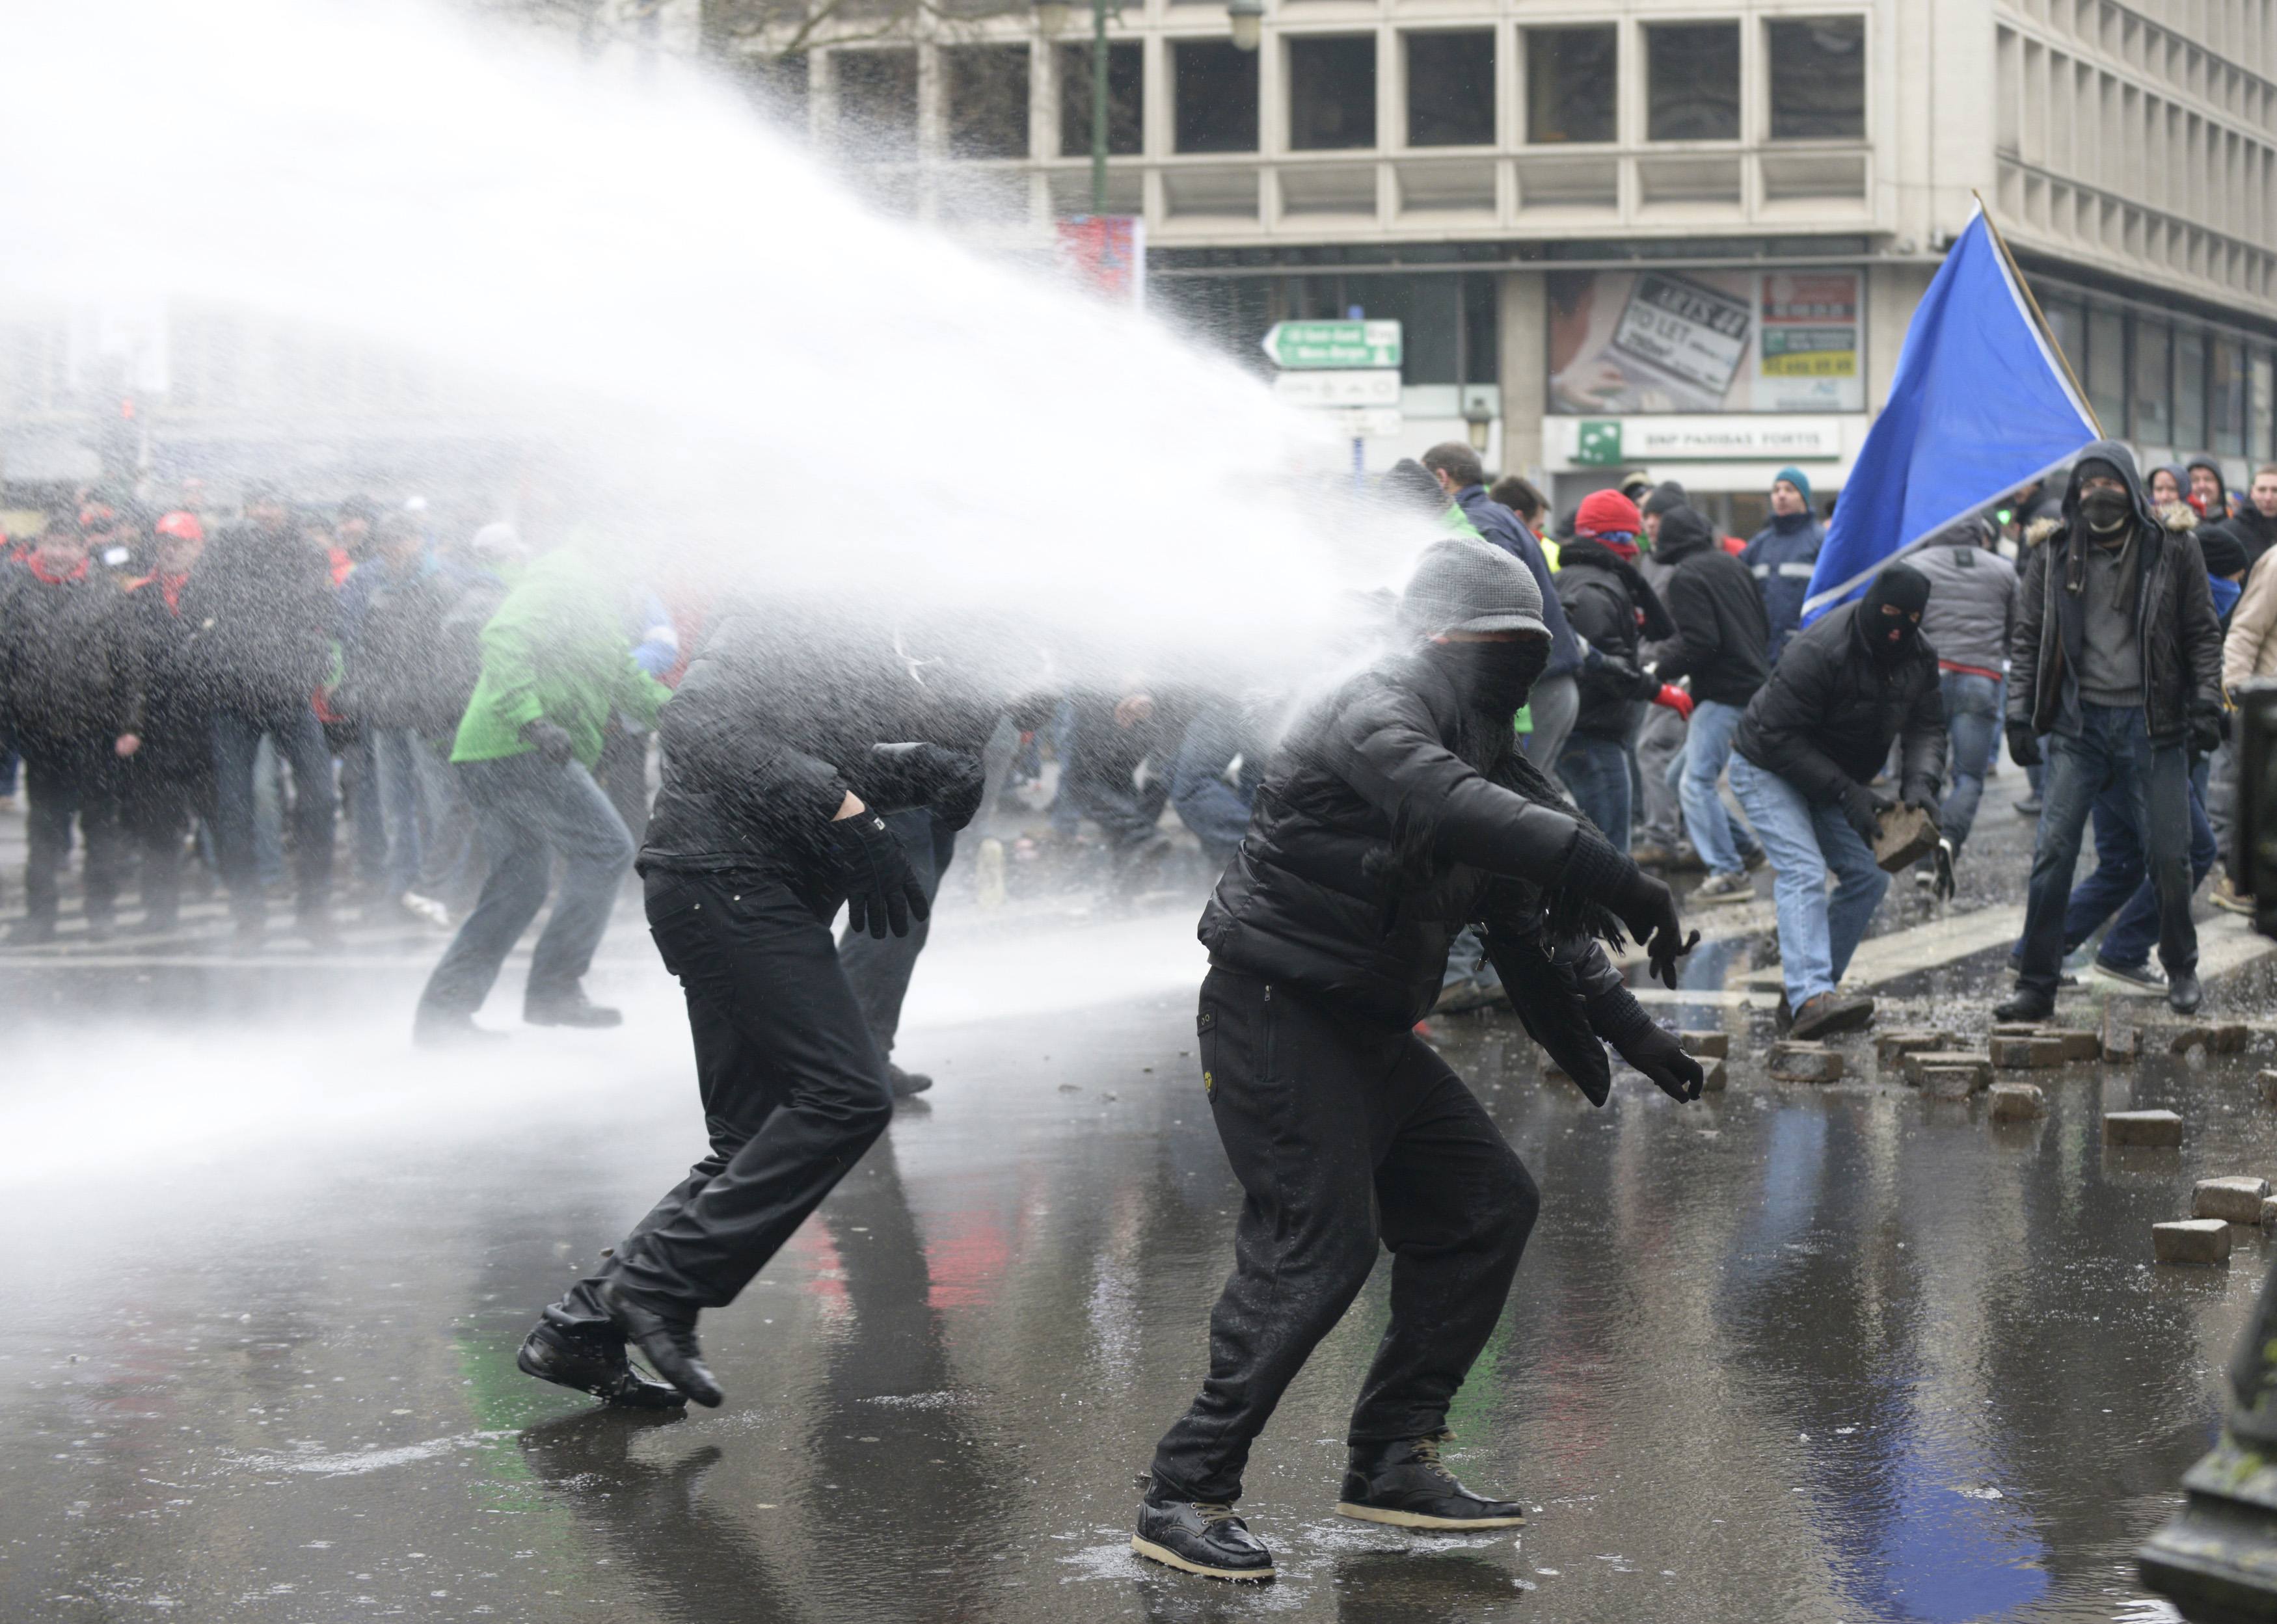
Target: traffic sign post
x: 1348, y: 370
x: 1319, y: 345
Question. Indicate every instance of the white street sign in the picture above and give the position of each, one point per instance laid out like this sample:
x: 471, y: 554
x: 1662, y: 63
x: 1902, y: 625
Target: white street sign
x: 1366, y: 423
x: 1373, y: 387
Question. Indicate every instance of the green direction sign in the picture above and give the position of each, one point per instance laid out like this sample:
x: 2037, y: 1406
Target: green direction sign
x: 1310, y: 344
x: 1600, y: 441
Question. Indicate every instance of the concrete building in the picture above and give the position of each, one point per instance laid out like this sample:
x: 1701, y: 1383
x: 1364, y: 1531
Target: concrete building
x: 1681, y: 234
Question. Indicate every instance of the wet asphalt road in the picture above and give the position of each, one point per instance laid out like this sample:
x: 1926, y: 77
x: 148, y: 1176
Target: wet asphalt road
x: 1796, y: 1353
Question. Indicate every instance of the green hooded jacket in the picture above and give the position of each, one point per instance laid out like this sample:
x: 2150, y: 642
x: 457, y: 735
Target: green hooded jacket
x: 556, y: 649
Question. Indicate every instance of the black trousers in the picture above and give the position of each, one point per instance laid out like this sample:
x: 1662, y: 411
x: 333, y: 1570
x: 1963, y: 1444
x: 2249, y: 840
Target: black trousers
x: 793, y: 1090
x: 64, y: 779
x: 164, y: 793
x: 1343, y: 1134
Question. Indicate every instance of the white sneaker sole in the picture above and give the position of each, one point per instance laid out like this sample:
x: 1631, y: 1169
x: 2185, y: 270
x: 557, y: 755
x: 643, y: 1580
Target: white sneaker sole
x: 2155, y: 989
x: 1168, y: 1558
x: 1713, y: 899
x: 1418, y: 1520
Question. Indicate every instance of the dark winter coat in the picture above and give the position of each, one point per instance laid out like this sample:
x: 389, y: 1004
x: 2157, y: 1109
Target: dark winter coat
x: 163, y: 708
x: 1605, y: 601
x: 1498, y: 524
x: 62, y: 659
x: 391, y: 624
x: 1723, y: 637
x: 265, y: 614
x: 1343, y: 885
x: 2258, y: 533
x: 1781, y: 558
x: 1826, y: 720
x: 777, y: 718
x: 2175, y: 620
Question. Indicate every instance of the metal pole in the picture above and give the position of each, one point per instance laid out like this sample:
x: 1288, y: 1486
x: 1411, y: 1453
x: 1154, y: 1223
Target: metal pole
x: 1099, y: 107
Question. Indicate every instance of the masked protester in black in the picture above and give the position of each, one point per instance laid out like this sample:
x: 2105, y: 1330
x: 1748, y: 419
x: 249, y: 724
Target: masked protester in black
x: 788, y: 739
x: 1396, y: 811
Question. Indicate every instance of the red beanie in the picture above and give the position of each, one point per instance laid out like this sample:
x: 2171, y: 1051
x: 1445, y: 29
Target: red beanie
x: 1606, y: 513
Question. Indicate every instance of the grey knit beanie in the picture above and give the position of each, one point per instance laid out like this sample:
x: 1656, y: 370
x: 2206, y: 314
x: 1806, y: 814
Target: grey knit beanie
x: 1466, y: 586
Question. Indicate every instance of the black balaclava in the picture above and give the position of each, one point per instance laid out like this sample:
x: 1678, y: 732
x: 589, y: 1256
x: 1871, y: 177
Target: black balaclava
x: 2104, y: 511
x: 1894, y: 637
x: 1493, y: 679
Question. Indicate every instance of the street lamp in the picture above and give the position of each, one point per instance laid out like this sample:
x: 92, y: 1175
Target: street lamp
x: 1248, y: 20
x: 1478, y: 418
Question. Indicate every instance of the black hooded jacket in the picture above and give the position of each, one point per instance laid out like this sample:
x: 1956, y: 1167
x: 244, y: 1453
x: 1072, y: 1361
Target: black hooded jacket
x: 779, y: 718
x: 1826, y: 720
x: 1346, y: 884
x: 1723, y: 636
x: 2179, y: 632
x: 1604, y: 599
x: 263, y: 614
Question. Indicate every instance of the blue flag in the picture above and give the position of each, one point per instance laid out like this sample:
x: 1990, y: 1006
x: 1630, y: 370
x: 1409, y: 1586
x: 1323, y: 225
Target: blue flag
x: 1980, y: 406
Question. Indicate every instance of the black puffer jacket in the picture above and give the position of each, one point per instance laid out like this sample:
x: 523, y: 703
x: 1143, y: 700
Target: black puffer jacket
x: 1824, y: 720
x: 777, y: 718
x: 261, y: 604
x: 1722, y: 634
x: 62, y: 661
x: 1605, y: 598
x: 1346, y: 885
x: 163, y: 708
x: 2180, y: 632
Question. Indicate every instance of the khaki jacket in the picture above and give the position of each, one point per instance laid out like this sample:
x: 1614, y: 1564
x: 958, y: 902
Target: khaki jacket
x: 2250, y: 648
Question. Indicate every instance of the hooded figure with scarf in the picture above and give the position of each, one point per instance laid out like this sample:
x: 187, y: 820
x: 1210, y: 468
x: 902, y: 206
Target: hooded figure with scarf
x: 1396, y: 810
x: 1813, y: 741
x: 1608, y: 602
x: 2117, y: 655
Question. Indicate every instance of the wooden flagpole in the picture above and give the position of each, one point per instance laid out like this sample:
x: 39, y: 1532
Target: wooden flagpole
x: 2038, y: 315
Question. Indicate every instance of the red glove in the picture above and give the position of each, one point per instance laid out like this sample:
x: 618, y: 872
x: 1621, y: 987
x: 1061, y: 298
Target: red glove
x: 1675, y: 698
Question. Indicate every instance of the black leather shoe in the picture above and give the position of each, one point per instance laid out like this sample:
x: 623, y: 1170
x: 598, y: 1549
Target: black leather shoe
x: 2024, y: 1006
x: 2183, y: 993
x: 1404, y: 1485
x: 903, y: 1083
x: 1829, y: 1012
x: 592, y: 1362
x: 1200, y: 1537
x: 573, y: 1009
x: 667, y: 1344
x: 439, y: 1028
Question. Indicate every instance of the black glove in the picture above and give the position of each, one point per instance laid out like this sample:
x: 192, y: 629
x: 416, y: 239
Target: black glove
x: 949, y: 783
x: 1643, y: 904
x: 1617, y: 676
x: 1654, y: 1051
x: 2208, y: 729
x: 880, y: 891
x: 552, y: 742
x: 2023, y: 746
x: 1862, y: 807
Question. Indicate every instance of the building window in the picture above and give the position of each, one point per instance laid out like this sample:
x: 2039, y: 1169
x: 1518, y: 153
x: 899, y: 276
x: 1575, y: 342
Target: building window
x: 2225, y: 392
x: 1214, y: 96
x: 1571, y: 79
x: 1331, y: 92
x: 1692, y: 82
x: 2107, y: 367
x: 777, y: 85
x: 1125, y: 82
x: 877, y: 100
x: 987, y: 88
x: 1818, y: 79
x: 2189, y: 392
x: 2152, y: 397
x: 1450, y: 89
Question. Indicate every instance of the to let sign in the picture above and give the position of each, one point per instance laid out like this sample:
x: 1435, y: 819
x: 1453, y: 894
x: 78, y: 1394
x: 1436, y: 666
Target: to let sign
x: 1315, y: 346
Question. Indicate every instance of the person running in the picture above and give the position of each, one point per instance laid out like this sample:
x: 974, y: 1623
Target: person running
x: 1396, y: 810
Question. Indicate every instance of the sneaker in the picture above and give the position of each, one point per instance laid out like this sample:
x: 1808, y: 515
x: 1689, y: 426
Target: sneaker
x: 569, y: 1009
x: 1753, y: 858
x: 1405, y: 1484
x: 427, y: 910
x: 2023, y: 1006
x: 1831, y: 1012
x: 1724, y: 888
x: 1924, y: 875
x: 439, y: 1029
x: 668, y: 1343
x: 1200, y: 1537
x: 903, y: 1083
x: 2183, y: 993
x: 2029, y: 806
x: 2225, y: 896
x: 593, y: 1361
x: 2134, y: 977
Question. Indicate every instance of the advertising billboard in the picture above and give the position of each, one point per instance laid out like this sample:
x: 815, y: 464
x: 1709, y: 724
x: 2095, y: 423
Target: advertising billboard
x: 1628, y: 342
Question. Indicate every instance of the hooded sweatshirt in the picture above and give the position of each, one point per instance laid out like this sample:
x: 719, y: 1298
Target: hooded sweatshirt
x: 1972, y: 605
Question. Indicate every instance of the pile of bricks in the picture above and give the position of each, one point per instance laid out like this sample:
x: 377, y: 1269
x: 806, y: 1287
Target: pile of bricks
x: 2216, y: 1206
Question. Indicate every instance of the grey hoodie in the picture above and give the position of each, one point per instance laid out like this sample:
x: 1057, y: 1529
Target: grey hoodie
x: 1972, y: 599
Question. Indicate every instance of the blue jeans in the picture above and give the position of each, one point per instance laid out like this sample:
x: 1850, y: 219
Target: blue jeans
x: 300, y: 739
x: 1972, y: 718
x: 1596, y: 773
x: 530, y: 811
x: 1707, y: 750
x: 2121, y: 880
x: 2111, y: 752
x: 1805, y: 839
x: 396, y: 787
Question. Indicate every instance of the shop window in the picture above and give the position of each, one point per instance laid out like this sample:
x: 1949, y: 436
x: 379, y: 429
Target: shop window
x: 1450, y: 89
x: 1572, y: 80
x: 877, y: 100
x: 1818, y: 79
x: 1125, y: 81
x: 2151, y: 397
x: 2107, y: 367
x: 987, y: 91
x: 1692, y: 82
x: 1214, y: 96
x: 2226, y: 396
x: 1331, y: 92
x: 2189, y: 392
